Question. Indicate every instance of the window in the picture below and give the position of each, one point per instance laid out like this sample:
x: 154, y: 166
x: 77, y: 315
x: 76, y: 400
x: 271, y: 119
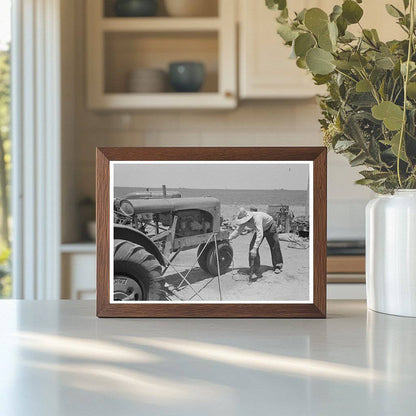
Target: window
x: 5, y: 147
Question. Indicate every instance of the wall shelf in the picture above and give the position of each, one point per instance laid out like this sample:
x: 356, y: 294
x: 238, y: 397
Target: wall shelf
x: 130, y: 101
x: 159, y: 24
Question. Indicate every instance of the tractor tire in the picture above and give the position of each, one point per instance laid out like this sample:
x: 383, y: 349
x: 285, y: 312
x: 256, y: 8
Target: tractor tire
x: 208, y: 259
x: 137, y: 273
x: 202, y: 258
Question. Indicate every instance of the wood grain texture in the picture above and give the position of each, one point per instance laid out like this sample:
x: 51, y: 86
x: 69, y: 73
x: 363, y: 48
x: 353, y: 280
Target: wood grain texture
x: 212, y: 310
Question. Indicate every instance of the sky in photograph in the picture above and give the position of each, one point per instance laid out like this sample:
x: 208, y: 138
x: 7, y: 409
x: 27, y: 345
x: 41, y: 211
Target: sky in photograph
x: 213, y: 176
x: 5, y: 21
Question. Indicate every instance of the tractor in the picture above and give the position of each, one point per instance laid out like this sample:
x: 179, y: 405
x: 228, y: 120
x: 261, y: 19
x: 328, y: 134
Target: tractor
x: 151, y: 229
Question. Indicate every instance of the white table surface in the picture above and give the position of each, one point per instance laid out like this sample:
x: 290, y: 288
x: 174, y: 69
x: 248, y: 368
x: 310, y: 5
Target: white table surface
x: 56, y: 358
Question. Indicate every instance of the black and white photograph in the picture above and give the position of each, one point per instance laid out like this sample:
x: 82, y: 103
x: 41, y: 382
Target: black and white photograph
x: 195, y: 231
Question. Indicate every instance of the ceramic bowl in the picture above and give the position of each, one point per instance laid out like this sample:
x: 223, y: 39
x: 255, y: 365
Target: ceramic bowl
x: 186, y: 76
x: 136, y: 8
x: 147, y: 80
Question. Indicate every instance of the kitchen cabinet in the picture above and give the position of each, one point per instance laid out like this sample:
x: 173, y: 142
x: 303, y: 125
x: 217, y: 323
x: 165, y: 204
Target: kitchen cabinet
x: 265, y: 70
x: 116, y: 46
x: 78, y: 271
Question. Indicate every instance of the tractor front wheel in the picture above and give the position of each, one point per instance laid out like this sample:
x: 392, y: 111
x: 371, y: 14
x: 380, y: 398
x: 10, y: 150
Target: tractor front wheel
x: 137, y: 273
x: 208, y: 258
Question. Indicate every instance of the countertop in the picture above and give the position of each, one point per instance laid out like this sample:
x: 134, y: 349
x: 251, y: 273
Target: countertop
x: 57, y: 358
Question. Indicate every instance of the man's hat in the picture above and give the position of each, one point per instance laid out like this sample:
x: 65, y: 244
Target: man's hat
x: 243, y: 216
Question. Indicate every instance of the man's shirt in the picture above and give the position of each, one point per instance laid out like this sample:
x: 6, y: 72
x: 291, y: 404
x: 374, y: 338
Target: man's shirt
x: 259, y: 222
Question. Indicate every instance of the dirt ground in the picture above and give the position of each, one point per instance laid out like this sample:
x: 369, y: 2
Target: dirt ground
x: 292, y: 284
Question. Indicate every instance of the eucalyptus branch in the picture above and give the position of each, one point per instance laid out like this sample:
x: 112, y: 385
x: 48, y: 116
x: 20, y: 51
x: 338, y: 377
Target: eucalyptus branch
x: 373, y: 89
x: 376, y: 123
x: 398, y: 95
x: 406, y: 80
x: 346, y: 75
x: 392, y: 90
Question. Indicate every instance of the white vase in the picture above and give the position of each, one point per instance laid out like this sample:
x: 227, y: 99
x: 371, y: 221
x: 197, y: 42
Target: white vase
x: 391, y: 253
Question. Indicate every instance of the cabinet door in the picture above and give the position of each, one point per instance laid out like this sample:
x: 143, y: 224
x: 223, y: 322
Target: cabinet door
x: 265, y: 68
x: 376, y: 17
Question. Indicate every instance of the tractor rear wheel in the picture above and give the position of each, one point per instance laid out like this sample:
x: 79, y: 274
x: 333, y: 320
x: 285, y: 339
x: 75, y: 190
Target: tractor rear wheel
x: 202, y: 257
x: 208, y: 259
x: 137, y: 273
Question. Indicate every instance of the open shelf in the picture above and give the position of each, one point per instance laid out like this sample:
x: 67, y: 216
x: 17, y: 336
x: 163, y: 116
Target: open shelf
x: 194, y: 101
x: 127, y: 51
x: 116, y: 46
x: 211, y: 10
x: 160, y: 24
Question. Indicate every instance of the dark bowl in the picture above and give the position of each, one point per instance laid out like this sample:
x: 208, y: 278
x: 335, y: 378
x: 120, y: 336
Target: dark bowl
x: 136, y: 8
x: 186, y: 76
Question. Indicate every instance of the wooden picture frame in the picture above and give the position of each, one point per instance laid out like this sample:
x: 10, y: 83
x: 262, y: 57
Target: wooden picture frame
x: 315, y: 308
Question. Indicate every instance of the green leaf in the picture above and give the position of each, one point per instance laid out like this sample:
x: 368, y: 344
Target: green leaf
x: 374, y: 150
x: 354, y: 131
x: 364, y: 181
x: 316, y: 20
x: 284, y: 14
x: 391, y: 114
x: 301, y: 63
x: 411, y: 90
x: 303, y: 43
x: 286, y: 32
x: 324, y: 42
x: 276, y: 4
x: 321, y: 79
x: 393, y: 11
x: 394, y: 144
x: 396, y: 71
x: 333, y: 32
x: 374, y: 175
x: 343, y: 65
x: 351, y: 11
x: 368, y: 36
x: 348, y: 37
x: 300, y: 17
x: 336, y: 12
x: 406, y: 4
x: 412, y: 67
x: 363, y: 86
x: 342, y: 25
x: 385, y: 63
x: 358, y: 61
x: 358, y: 160
x: 319, y: 61
x: 343, y: 145
x: 377, y: 75
x: 327, y: 40
x: 381, y: 89
x: 375, y: 35
x: 361, y: 99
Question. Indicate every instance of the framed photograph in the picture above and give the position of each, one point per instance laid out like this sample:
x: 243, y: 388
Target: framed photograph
x: 211, y: 232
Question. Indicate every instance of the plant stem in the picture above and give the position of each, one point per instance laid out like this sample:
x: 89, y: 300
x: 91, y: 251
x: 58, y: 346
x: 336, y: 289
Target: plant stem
x: 406, y: 80
x: 373, y: 89
x: 345, y: 75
